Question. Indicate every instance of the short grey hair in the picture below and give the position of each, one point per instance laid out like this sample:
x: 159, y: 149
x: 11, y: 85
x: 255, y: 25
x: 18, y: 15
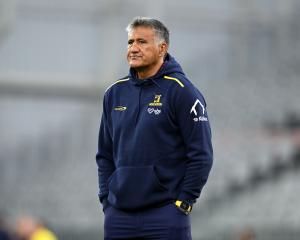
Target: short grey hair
x: 161, y: 31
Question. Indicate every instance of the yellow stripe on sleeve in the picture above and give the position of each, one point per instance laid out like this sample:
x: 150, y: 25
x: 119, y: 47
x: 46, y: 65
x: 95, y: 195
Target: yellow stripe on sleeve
x: 174, y: 79
x: 122, y: 80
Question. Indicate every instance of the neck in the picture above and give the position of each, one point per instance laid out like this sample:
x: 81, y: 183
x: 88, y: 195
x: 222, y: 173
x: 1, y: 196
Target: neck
x: 150, y: 71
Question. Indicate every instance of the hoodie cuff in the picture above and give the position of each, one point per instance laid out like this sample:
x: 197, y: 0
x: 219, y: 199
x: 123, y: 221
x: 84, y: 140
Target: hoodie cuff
x: 103, y: 200
x: 105, y: 203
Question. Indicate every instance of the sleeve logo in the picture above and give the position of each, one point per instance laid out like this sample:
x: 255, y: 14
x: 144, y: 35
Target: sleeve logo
x: 199, y: 116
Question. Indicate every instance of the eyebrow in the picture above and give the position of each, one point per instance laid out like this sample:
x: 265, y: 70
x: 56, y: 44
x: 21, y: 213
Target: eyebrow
x: 138, y: 39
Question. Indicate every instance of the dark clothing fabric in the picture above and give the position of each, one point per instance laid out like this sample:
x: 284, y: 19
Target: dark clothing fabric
x: 4, y: 235
x: 164, y: 223
x: 154, y: 141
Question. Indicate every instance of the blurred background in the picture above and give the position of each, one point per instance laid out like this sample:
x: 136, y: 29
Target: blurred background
x: 58, y: 56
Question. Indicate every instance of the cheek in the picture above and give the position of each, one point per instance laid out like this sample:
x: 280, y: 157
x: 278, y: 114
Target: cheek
x: 153, y: 56
x: 154, y: 52
x: 127, y: 54
x: 149, y: 52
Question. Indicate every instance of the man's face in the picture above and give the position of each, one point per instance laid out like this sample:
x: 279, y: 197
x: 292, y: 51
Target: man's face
x: 143, y: 50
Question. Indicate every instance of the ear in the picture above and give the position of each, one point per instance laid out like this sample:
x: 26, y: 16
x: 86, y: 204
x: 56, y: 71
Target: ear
x: 163, y: 48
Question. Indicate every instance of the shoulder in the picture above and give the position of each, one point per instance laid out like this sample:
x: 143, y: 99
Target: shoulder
x: 119, y: 81
x: 116, y: 83
x: 183, y: 89
x: 110, y: 91
x: 177, y: 80
x: 180, y: 83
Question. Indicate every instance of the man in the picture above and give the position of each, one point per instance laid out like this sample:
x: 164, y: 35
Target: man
x: 154, y: 152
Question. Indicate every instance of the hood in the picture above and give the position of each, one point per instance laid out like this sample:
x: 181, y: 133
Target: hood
x: 170, y: 66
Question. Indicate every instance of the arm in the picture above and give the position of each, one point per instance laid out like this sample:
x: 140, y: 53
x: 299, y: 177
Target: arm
x: 195, y: 129
x: 104, y: 156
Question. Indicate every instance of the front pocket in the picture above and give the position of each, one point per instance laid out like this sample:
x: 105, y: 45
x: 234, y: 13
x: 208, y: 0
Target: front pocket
x: 132, y: 188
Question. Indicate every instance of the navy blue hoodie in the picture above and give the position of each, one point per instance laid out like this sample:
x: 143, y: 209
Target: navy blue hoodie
x: 154, y: 141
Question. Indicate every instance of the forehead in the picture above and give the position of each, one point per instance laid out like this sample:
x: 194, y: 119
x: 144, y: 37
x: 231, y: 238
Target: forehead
x: 141, y: 32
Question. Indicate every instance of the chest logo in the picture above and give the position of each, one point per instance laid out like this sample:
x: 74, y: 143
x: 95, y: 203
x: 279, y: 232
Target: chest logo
x: 153, y: 110
x: 120, y: 108
x: 156, y: 102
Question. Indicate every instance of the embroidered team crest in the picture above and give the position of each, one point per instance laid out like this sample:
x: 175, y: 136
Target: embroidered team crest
x: 156, y: 102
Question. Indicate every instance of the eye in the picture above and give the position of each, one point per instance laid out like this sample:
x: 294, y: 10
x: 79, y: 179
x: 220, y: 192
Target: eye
x: 142, y: 41
x: 130, y: 42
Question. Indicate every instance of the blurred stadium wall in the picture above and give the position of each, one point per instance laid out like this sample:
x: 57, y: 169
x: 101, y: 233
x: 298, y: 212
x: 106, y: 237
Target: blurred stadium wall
x: 58, y: 56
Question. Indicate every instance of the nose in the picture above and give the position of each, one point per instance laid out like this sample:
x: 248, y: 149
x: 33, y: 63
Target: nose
x: 134, y: 47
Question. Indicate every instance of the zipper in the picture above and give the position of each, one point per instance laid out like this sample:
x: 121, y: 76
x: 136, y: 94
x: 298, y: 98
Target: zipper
x: 139, y: 105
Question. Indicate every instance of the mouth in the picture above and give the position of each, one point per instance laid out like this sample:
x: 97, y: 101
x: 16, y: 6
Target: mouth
x: 134, y: 57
